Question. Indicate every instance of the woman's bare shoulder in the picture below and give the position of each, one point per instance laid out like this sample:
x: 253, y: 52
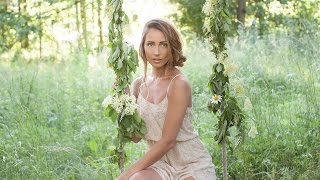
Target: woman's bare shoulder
x: 180, y: 84
x: 136, y: 85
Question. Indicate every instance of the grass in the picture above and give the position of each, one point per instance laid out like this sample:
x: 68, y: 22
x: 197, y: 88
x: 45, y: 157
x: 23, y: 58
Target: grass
x: 52, y: 124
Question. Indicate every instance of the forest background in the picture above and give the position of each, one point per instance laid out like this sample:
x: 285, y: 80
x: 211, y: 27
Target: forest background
x: 54, y: 77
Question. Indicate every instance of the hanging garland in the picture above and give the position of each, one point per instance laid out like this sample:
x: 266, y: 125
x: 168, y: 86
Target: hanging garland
x: 223, y: 104
x: 121, y: 107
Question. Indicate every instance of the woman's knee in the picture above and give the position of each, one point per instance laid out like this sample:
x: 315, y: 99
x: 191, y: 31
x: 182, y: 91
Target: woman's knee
x: 147, y: 174
x: 138, y: 176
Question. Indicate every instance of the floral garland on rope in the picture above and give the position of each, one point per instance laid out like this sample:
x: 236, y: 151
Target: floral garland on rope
x: 121, y: 107
x: 222, y: 103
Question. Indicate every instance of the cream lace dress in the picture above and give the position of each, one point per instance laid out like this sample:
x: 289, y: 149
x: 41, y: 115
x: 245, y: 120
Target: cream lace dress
x: 189, y: 158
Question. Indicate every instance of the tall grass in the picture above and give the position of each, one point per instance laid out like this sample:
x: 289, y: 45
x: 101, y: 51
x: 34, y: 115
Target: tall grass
x: 52, y: 124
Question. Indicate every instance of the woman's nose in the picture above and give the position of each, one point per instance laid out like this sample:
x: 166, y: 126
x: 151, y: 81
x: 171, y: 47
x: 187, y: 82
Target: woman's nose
x: 156, y: 51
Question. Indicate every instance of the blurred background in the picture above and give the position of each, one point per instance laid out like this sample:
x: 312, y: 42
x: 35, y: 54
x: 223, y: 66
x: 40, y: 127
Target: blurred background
x: 54, y: 77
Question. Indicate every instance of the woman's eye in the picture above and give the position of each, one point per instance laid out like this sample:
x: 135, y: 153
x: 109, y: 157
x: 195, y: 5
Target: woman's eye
x: 149, y: 44
x: 164, y: 45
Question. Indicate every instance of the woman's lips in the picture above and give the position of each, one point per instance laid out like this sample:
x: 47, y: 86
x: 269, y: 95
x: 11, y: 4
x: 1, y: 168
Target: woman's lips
x: 156, y: 60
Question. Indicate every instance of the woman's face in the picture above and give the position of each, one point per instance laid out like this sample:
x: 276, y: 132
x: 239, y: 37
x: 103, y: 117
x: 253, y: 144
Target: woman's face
x: 156, y: 48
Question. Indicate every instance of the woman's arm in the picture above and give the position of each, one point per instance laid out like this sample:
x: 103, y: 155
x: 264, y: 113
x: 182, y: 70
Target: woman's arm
x: 179, y: 98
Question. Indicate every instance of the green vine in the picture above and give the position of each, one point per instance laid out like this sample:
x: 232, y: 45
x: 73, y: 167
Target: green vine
x: 120, y: 107
x: 223, y: 104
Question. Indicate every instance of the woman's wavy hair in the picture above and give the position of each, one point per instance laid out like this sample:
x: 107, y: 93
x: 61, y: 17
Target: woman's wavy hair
x: 174, y: 43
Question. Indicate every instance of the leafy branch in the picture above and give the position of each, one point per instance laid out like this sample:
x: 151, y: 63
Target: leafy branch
x: 223, y: 104
x: 122, y: 108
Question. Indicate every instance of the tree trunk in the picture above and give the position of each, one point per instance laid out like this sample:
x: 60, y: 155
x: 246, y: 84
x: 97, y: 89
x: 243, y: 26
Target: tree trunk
x: 92, y: 11
x: 99, y: 24
x: 241, y: 11
x: 40, y: 32
x: 83, y: 14
x: 22, y: 4
x: 77, y: 4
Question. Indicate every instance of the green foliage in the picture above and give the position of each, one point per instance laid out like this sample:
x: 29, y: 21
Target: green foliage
x: 293, y: 16
x: 229, y: 112
x: 50, y: 112
x: 14, y: 27
x: 190, y: 15
x: 124, y: 60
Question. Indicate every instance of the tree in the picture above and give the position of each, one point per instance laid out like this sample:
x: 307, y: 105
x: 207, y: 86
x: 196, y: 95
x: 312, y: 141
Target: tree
x: 99, y: 24
x: 191, y: 15
x: 15, y: 26
x: 241, y: 11
x: 77, y: 4
x: 83, y: 15
x: 290, y: 15
x: 22, y: 4
x: 3, y: 9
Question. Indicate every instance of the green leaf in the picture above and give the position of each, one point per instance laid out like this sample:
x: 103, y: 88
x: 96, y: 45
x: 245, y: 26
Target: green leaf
x: 116, y: 54
x: 126, y: 122
x: 110, y: 112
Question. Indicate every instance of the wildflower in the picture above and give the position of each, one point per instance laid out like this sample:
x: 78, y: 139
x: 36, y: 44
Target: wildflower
x: 247, y: 104
x: 216, y: 99
x: 117, y: 104
x: 206, y: 9
x: 206, y: 24
x: 130, y: 104
x: 4, y: 158
x: 220, y: 58
x: 107, y: 101
x: 130, y: 109
x: 252, y: 132
x: 230, y: 68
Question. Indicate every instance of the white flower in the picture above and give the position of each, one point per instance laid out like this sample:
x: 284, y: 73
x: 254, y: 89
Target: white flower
x: 130, y: 109
x: 253, y: 132
x: 216, y: 99
x: 206, y: 24
x: 107, y: 101
x: 247, y: 104
x: 117, y: 104
x: 220, y: 57
x: 206, y: 9
x: 130, y: 104
x: 4, y: 158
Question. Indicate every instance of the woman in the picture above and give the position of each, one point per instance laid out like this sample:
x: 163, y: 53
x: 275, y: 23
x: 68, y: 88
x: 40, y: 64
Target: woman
x: 175, y: 151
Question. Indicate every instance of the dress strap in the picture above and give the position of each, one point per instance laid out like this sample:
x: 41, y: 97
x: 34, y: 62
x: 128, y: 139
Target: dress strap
x: 145, y: 84
x: 171, y: 82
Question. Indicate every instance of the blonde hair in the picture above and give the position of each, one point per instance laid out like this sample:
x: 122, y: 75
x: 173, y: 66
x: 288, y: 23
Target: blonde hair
x: 174, y: 43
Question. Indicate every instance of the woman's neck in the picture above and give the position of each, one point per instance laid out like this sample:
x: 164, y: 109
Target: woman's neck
x: 162, y: 73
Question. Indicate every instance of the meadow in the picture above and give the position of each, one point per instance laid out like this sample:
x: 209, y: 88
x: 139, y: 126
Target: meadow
x: 52, y: 124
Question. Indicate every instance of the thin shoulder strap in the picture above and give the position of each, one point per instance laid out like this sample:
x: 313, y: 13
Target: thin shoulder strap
x: 171, y: 82
x: 145, y: 84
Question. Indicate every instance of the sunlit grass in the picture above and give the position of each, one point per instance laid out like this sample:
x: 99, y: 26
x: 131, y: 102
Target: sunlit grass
x: 52, y: 124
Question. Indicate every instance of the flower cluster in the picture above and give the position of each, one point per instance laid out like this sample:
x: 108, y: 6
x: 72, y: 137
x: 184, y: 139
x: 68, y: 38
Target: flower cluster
x: 124, y: 102
x: 207, y: 7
